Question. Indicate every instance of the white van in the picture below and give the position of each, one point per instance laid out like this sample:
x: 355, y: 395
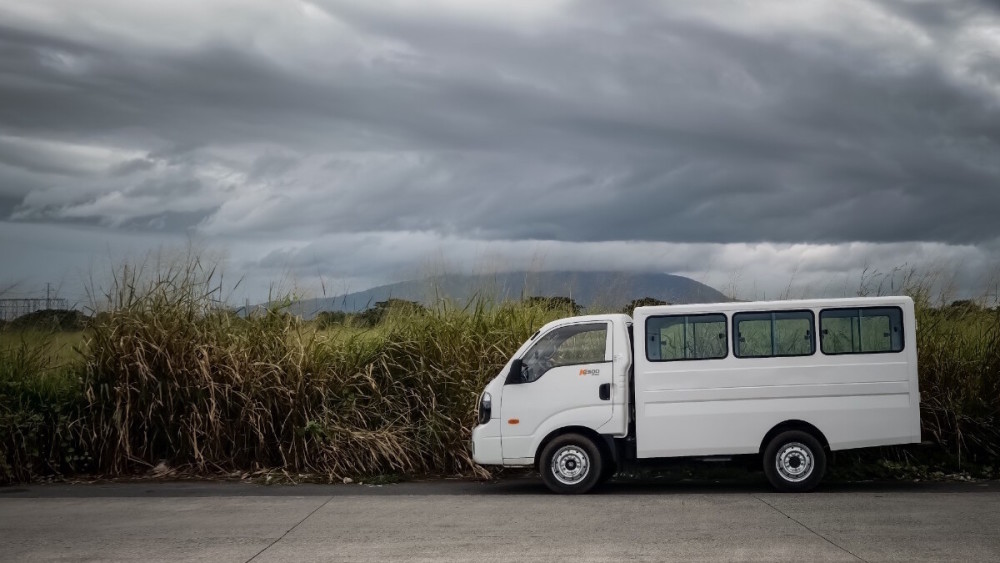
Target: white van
x: 788, y: 381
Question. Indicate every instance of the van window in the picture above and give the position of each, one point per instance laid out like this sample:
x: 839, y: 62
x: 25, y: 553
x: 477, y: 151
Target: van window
x: 773, y: 334
x: 564, y: 346
x: 686, y: 337
x: 865, y: 330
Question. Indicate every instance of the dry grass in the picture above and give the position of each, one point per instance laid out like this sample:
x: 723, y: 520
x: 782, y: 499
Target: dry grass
x: 167, y: 373
x: 172, y: 376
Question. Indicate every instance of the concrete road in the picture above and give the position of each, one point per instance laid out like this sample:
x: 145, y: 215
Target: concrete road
x: 514, y: 520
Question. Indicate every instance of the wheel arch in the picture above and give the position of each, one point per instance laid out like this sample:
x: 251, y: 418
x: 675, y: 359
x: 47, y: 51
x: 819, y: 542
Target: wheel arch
x: 787, y: 425
x: 607, y: 452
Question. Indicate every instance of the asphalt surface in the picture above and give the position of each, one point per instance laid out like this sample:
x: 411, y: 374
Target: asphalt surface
x: 514, y: 520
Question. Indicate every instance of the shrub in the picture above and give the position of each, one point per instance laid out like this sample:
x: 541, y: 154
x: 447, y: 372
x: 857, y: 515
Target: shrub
x: 392, y: 307
x: 50, y: 320
x: 39, y: 405
x: 644, y: 302
x: 329, y: 319
x: 565, y: 305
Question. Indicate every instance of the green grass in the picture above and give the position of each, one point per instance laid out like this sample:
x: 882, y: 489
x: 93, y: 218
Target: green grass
x: 60, y: 348
x: 40, y: 399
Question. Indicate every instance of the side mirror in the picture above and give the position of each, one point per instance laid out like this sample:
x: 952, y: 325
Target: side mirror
x: 514, y: 375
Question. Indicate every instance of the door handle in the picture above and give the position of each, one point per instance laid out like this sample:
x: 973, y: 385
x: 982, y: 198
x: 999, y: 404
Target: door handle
x: 604, y: 391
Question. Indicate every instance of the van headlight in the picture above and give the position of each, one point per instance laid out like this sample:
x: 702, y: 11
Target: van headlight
x: 485, y: 408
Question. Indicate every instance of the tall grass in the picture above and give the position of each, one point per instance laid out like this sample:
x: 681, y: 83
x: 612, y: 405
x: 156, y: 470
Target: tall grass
x: 169, y: 374
x: 959, y: 361
x: 172, y: 376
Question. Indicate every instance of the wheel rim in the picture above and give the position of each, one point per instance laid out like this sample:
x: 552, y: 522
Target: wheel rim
x: 570, y: 465
x: 795, y: 462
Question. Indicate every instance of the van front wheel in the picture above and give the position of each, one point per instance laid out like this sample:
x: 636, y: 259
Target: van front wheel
x: 571, y: 464
x: 794, y: 462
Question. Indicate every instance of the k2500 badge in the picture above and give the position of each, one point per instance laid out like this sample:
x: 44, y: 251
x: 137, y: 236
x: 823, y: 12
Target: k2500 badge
x: 590, y: 372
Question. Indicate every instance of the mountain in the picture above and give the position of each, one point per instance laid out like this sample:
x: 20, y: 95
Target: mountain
x: 602, y: 290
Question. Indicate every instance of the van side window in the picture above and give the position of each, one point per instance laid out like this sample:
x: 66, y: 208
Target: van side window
x: 865, y: 330
x: 774, y: 334
x: 686, y: 337
x: 564, y: 346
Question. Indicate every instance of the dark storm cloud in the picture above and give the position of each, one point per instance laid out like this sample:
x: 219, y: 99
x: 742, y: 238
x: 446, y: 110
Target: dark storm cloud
x: 722, y: 135
x: 8, y: 204
x: 576, y: 122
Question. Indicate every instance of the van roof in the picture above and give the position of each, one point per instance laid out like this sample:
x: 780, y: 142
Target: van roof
x: 737, y: 306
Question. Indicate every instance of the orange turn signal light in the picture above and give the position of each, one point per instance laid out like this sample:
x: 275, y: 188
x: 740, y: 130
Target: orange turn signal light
x: 513, y: 421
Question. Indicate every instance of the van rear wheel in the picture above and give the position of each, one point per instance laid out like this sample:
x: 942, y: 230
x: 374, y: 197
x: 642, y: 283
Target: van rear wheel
x: 794, y: 462
x: 571, y: 464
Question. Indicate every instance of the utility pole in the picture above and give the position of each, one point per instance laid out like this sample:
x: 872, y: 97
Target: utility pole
x: 48, y: 289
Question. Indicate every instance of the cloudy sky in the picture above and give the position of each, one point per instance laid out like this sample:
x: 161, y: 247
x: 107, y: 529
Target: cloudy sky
x: 754, y: 143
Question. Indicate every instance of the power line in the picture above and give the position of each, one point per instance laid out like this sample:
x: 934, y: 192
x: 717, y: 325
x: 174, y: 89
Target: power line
x: 12, y: 308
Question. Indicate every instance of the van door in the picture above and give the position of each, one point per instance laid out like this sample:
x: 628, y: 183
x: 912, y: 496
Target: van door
x: 566, y: 375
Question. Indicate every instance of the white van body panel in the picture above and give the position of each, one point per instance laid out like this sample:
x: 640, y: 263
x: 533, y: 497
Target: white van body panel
x: 527, y: 419
x: 727, y: 406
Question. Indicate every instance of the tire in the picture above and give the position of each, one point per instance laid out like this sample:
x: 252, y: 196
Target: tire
x: 571, y: 464
x: 794, y: 462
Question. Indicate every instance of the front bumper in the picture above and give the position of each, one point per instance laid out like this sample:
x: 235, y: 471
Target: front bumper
x: 486, y: 444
